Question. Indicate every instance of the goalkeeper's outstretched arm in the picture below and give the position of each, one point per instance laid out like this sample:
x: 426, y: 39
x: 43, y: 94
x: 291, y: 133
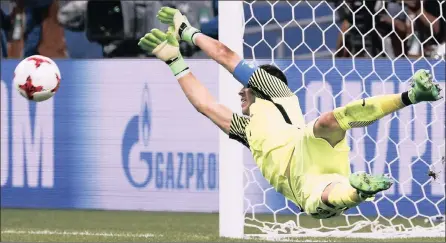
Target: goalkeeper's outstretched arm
x: 217, y: 51
x: 166, y: 48
x: 200, y: 97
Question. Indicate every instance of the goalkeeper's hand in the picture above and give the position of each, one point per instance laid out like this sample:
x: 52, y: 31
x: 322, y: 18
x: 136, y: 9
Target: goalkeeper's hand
x: 166, y: 48
x: 182, y: 28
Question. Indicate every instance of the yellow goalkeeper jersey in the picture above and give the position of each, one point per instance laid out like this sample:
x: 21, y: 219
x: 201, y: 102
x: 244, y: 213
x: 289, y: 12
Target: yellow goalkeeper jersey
x: 289, y: 156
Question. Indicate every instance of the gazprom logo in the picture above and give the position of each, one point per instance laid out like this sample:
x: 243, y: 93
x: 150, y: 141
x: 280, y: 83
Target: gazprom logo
x: 137, y: 163
x: 166, y: 169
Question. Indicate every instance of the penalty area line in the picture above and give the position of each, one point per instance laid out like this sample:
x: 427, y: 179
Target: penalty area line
x: 75, y: 233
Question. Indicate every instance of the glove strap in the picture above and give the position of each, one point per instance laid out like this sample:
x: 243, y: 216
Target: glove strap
x: 178, y: 66
x: 187, y: 33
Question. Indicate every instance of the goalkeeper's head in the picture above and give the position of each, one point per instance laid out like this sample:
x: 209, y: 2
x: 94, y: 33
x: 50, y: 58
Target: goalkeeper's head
x: 248, y: 95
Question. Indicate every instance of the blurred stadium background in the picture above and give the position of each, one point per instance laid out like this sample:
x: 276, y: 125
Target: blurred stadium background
x: 120, y: 155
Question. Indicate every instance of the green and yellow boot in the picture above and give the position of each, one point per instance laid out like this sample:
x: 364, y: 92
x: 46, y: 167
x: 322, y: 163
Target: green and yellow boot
x: 368, y: 185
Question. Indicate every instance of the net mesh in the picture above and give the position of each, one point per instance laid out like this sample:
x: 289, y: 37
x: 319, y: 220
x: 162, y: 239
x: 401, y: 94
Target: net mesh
x: 336, y: 52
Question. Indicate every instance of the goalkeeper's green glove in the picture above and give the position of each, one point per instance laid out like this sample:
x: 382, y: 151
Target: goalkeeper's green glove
x: 182, y: 28
x: 166, y: 48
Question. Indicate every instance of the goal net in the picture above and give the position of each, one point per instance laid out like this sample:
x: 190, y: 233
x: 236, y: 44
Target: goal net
x: 335, y: 52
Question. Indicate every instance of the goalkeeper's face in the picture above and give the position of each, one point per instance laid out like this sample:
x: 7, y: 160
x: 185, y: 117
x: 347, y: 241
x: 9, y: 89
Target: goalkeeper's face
x: 247, y: 98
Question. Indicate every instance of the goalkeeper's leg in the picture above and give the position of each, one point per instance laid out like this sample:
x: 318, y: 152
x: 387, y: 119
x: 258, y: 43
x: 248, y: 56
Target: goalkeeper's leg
x: 362, y: 187
x: 341, y: 195
x: 332, y: 125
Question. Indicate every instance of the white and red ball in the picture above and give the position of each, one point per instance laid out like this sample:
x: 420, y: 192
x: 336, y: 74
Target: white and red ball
x: 37, y: 78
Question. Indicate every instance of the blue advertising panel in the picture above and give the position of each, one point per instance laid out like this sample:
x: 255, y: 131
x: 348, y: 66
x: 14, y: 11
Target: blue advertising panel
x: 117, y: 135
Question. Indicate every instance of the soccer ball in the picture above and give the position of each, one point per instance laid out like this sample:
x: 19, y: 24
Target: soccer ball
x: 37, y: 78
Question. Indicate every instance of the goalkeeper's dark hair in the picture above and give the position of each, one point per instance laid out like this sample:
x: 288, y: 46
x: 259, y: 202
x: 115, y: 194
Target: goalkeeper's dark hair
x: 275, y: 71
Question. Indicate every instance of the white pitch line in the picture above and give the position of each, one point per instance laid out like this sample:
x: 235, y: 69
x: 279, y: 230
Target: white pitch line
x: 82, y: 233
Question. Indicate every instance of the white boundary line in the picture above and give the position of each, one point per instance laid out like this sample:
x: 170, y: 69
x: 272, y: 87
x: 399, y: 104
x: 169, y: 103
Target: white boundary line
x: 81, y: 233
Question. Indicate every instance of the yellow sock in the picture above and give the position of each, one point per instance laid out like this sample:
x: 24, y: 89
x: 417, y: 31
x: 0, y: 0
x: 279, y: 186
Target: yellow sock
x: 342, y: 195
x: 364, y: 112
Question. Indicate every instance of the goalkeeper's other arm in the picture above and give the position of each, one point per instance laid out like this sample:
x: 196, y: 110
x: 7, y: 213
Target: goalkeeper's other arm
x: 166, y: 48
x: 213, y: 48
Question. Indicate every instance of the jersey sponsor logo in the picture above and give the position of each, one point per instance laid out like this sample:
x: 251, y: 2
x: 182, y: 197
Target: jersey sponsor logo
x: 144, y: 167
x: 27, y: 134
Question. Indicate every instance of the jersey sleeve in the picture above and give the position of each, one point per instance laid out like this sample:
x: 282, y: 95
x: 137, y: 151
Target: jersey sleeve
x: 237, y: 129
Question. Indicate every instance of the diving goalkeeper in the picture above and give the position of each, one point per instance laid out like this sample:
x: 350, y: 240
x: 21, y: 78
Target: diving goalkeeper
x: 307, y: 163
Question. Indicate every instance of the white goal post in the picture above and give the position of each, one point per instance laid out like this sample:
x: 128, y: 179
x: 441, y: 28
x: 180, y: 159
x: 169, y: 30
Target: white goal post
x: 231, y: 194
x: 407, y: 145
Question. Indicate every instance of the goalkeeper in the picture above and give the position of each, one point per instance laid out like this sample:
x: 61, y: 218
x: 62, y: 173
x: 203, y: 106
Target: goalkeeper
x: 307, y: 163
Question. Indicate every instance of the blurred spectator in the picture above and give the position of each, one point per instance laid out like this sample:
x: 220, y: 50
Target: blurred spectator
x: 51, y: 42
x: 382, y: 28
x: 71, y: 15
x: 392, y: 23
x: 115, y: 25
x: 379, y: 28
x: 14, y: 28
x: 363, y: 40
x: 40, y: 34
x: 430, y: 27
x: 5, y: 26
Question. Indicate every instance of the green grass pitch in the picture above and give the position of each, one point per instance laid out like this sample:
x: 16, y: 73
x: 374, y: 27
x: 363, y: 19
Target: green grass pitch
x: 26, y: 225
